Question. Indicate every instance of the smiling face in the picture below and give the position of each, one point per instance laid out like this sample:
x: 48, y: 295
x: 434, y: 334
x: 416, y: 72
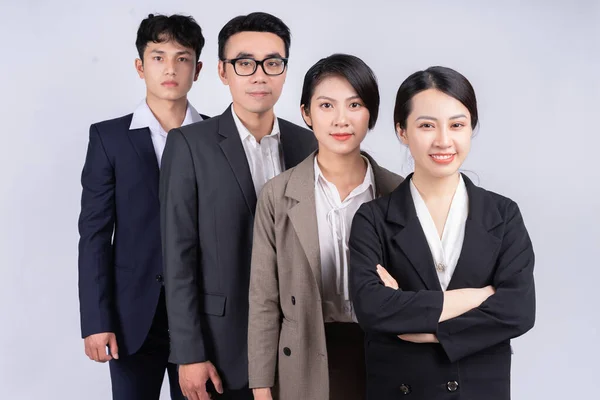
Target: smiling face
x: 438, y: 133
x: 168, y: 69
x: 337, y: 115
x: 256, y: 93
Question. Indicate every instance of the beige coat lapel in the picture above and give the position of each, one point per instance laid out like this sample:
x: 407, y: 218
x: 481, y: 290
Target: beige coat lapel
x: 301, y: 187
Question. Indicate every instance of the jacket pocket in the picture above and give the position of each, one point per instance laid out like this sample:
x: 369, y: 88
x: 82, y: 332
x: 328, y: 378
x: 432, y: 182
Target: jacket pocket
x: 213, y: 304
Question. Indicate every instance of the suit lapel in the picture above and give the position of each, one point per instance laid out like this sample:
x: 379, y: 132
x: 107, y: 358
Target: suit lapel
x: 233, y: 149
x: 142, y: 143
x: 294, y: 147
x: 301, y: 187
x: 411, y: 239
x: 480, y: 246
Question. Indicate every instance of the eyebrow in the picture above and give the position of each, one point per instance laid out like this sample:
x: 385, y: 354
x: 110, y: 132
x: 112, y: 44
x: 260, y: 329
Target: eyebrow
x: 178, y: 53
x: 435, y: 119
x: 330, y: 99
x: 250, y: 55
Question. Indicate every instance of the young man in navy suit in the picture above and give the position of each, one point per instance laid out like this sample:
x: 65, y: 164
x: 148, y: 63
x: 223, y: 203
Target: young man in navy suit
x: 121, y: 292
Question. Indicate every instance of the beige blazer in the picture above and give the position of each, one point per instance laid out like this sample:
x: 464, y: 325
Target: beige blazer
x: 286, y: 332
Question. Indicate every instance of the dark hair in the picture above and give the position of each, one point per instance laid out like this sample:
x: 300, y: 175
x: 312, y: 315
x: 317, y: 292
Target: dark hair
x: 161, y: 28
x: 445, y: 80
x: 254, y: 22
x: 354, y: 70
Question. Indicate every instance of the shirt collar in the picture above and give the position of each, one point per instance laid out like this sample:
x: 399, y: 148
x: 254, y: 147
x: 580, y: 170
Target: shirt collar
x: 459, y: 200
x: 144, y: 118
x: 368, y: 181
x: 245, y: 133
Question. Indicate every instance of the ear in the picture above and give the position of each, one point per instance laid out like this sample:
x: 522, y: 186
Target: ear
x: 139, y: 67
x: 305, y: 116
x: 198, y: 68
x: 402, y: 134
x: 223, y: 73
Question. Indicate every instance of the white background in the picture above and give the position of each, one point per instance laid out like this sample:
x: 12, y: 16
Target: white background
x: 534, y: 66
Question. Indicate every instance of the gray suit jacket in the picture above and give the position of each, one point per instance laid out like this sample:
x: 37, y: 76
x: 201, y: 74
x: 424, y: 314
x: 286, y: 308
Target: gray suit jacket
x: 286, y: 334
x: 207, y: 214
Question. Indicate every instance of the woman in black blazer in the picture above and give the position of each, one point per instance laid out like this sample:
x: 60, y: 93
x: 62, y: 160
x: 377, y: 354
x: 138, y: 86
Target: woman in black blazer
x: 460, y: 255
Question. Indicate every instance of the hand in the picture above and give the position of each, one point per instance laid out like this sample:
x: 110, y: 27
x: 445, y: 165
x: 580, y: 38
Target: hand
x: 262, y: 394
x: 387, y: 279
x: 95, y: 347
x: 419, y: 337
x: 193, y: 378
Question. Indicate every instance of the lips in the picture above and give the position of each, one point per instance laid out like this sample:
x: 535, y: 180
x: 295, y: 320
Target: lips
x: 259, y: 94
x: 342, y: 136
x: 170, y: 84
x: 442, y: 158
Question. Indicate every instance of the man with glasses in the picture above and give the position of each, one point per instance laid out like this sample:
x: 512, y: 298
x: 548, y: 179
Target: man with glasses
x: 212, y: 172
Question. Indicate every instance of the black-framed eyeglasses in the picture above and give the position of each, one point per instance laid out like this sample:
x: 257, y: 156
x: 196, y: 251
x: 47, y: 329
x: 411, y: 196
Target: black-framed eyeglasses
x: 247, y: 66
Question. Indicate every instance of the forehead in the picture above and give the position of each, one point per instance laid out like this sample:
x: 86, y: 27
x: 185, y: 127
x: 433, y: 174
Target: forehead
x: 257, y: 44
x: 168, y: 46
x: 434, y: 103
x: 335, y: 87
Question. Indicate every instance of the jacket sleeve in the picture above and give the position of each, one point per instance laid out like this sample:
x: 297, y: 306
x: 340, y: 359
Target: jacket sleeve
x: 379, y: 308
x: 264, y: 318
x: 181, y: 252
x: 96, y: 225
x: 508, y: 313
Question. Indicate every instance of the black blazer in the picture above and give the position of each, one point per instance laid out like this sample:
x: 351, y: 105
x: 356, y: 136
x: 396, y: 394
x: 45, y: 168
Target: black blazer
x: 473, y: 358
x: 207, y: 214
x: 119, y: 277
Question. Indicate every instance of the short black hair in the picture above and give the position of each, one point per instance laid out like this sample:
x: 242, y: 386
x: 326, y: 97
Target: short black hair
x: 162, y: 28
x: 254, y: 22
x: 446, y: 80
x: 354, y: 70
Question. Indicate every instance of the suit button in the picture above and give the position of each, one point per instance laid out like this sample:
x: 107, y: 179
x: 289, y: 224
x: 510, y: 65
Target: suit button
x: 287, y: 351
x: 159, y: 278
x: 293, y: 300
x: 452, y: 386
x: 405, y: 389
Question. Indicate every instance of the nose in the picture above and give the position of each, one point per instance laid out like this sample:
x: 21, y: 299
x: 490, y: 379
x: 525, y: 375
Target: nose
x: 170, y: 67
x: 442, y: 138
x: 259, y: 75
x: 341, y: 119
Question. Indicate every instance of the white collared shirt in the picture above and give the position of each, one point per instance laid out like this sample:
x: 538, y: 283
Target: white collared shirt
x: 446, y: 251
x: 144, y: 118
x: 265, y: 159
x: 334, y: 219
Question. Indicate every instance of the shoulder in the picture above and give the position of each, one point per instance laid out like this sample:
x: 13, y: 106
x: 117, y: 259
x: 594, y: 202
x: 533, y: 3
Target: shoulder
x: 276, y: 187
x: 204, y: 126
x: 113, y: 126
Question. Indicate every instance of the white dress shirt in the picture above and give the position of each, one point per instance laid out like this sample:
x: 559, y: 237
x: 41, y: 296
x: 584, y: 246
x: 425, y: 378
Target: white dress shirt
x: 144, y: 118
x: 265, y: 159
x: 334, y: 219
x: 446, y: 251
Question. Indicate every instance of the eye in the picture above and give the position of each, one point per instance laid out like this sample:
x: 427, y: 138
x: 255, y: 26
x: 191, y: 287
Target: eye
x: 426, y: 125
x: 183, y: 59
x: 157, y: 58
x: 326, y: 105
x: 457, y: 125
x: 355, y: 105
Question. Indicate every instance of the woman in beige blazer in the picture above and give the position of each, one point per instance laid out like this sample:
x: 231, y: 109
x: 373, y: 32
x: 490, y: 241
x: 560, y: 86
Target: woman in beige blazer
x: 303, y: 339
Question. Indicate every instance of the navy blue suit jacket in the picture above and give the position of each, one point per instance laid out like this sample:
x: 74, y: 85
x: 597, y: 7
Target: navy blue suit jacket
x: 120, y: 260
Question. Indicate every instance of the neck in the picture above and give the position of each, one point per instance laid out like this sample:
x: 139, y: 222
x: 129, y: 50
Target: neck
x: 435, y: 188
x: 169, y: 113
x: 345, y: 171
x: 258, y: 124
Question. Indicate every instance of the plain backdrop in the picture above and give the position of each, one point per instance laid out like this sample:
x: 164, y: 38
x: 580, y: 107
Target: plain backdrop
x: 534, y: 65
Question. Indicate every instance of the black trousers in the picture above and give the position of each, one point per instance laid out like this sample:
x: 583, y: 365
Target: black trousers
x: 140, y: 376
x: 346, y: 358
